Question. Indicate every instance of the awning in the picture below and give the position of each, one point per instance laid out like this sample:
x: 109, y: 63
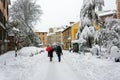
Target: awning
x: 76, y: 41
x: 79, y: 41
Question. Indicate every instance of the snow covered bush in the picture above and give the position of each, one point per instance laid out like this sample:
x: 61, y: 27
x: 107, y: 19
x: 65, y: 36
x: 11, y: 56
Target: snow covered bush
x: 111, y: 34
x: 29, y: 51
x: 115, y: 53
x: 95, y: 50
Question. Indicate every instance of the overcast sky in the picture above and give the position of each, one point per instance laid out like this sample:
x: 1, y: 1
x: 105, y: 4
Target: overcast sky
x: 60, y: 12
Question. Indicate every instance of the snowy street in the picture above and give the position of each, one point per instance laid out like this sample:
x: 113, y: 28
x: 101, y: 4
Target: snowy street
x: 46, y: 70
x: 72, y: 67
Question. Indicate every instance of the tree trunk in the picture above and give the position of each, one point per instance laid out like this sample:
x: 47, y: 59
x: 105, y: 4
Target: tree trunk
x: 89, y: 42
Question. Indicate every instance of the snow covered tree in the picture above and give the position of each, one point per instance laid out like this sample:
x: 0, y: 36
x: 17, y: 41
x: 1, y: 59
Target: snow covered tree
x: 111, y: 34
x: 87, y: 18
x: 25, y: 13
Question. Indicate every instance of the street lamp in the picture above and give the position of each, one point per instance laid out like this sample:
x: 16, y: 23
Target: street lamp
x: 15, y: 31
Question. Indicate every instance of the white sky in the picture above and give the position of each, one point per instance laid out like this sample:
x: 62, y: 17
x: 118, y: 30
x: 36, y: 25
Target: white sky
x: 57, y: 13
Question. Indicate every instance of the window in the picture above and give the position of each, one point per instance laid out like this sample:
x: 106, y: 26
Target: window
x: 4, y: 35
x: 3, y: 1
x: 43, y: 38
x: 0, y: 34
x: 1, y: 17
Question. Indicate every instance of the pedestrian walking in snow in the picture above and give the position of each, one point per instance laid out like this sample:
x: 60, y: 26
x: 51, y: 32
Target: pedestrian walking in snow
x: 50, y: 50
x: 59, y: 52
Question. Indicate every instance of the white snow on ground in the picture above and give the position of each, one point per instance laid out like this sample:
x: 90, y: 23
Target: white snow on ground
x: 72, y: 67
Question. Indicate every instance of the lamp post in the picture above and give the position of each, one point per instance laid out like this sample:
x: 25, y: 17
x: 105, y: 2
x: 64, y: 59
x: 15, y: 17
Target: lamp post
x: 15, y: 31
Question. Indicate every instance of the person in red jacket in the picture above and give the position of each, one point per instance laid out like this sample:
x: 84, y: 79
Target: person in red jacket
x: 49, y: 49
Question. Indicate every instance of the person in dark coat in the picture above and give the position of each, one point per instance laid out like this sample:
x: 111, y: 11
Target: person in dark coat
x: 59, y: 52
x: 50, y: 50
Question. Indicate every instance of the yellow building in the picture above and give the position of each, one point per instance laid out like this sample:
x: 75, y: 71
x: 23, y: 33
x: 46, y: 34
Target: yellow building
x: 75, y: 27
x: 66, y: 34
x: 74, y: 30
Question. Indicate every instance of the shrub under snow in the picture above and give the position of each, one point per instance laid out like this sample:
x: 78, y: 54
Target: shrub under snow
x: 29, y: 51
x: 115, y: 52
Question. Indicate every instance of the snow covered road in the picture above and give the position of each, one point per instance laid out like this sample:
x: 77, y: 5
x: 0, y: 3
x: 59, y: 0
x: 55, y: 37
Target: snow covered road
x: 46, y: 70
x: 60, y: 71
x: 72, y: 67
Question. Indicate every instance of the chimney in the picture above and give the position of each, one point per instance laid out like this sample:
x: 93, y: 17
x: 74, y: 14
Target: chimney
x: 71, y: 23
x: 51, y: 30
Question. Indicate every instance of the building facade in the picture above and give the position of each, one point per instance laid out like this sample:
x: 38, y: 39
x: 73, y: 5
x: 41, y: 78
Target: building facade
x: 74, y: 30
x: 53, y: 29
x: 55, y: 36
x: 66, y: 38
x: 51, y: 38
x: 3, y: 21
x: 59, y: 37
x: 118, y: 8
x: 43, y: 37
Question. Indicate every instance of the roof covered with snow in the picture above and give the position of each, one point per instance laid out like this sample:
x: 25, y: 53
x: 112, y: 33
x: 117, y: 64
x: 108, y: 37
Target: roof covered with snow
x: 109, y: 12
x: 66, y: 28
x: 60, y: 30
x: 49, y: 34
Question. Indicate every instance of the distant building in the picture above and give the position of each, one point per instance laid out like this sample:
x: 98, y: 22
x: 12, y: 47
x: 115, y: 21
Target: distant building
x: 109, y: 13
x: 104, y: 14
x: 53, y: 29
x: 55, y: 37
x: 51, y: 38
x: 43, y: 37
x: 59, y: 37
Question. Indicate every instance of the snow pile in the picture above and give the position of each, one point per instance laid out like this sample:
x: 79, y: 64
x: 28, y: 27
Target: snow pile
x: 95, y: 50
x: 89, y: 67
x: 30, y: 51
x: 20, y: 67
x: 115, y: 53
